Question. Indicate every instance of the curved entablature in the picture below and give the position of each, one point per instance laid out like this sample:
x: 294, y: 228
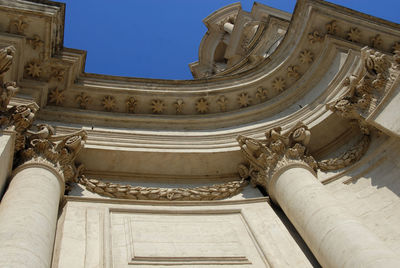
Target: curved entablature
x: 289, y: 73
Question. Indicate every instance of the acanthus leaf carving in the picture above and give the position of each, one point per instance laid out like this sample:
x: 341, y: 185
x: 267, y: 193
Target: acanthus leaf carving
x: 363, y: 91
x: 56, y: 151
x: 266, y: 157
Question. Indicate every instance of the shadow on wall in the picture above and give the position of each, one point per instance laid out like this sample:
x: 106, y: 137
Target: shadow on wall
x: 300, y: 242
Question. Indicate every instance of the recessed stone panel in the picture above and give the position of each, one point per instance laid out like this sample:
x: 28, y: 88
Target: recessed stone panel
x: 184, y: 238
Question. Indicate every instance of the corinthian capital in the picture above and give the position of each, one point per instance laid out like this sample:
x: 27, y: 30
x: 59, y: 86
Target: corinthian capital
x: 268, y: 157
x: 54, y: 151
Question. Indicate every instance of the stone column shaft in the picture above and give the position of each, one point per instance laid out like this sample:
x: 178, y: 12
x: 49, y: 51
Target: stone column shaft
x: 28, y: 216
x: 336, y: 238
x: 282, y: 165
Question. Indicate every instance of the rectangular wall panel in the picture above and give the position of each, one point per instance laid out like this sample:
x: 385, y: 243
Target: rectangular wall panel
x: 197, y: 237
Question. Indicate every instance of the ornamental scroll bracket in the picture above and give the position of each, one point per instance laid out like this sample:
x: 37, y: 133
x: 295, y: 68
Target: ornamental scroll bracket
x: 365, y: 90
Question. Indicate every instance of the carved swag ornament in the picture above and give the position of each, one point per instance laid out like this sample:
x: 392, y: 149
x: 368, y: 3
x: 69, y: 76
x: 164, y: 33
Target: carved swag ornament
x: 214, y: 192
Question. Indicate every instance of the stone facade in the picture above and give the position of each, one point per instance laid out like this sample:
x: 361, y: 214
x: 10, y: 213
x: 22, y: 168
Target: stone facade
x: 282, y: 152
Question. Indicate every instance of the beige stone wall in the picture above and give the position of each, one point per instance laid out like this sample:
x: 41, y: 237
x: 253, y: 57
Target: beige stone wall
x: 6, y: 158
x: 243, y: 233
x: 371, y: 192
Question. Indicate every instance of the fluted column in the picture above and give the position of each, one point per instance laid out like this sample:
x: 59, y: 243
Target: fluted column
x: 29, y: 209
x: 337, y: 239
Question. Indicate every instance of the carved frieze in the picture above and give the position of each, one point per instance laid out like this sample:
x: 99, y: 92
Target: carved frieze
x: 279, y: 84
x: 354, y: 35
x: 17, y: 25
x: 35, y: 42
x: 306, y: 57
x: 157, y: 106
x: 108, y: 103
x: 57, y: 73
x: 56, y: 96
x: 293, y: 72
x: 244, y: 99
x: 202, y: 106
x: 261, y: 94
x: 33, y: 69
x: 130, y: 104
x: 83, y: 100
x: 332, y: 27
x: 315, y: 37
x: 376, y: 41
x: 222, y: 103
x: 179, y: 106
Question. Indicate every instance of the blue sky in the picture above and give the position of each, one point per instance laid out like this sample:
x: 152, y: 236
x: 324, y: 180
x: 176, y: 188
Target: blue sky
x: 159, y: 38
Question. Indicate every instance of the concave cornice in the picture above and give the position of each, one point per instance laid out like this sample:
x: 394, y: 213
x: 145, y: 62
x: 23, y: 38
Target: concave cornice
x: 151, y: 120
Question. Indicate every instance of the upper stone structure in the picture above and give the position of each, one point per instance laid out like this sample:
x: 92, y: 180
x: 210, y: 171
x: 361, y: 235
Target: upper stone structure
x: 257, y: 70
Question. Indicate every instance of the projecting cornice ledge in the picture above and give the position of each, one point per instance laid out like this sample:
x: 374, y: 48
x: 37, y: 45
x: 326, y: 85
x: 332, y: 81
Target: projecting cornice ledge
x: 151, y: 123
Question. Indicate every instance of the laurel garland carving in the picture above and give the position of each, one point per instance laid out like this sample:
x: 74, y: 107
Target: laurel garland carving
x: 347, y: 158
x: 114, y: 190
